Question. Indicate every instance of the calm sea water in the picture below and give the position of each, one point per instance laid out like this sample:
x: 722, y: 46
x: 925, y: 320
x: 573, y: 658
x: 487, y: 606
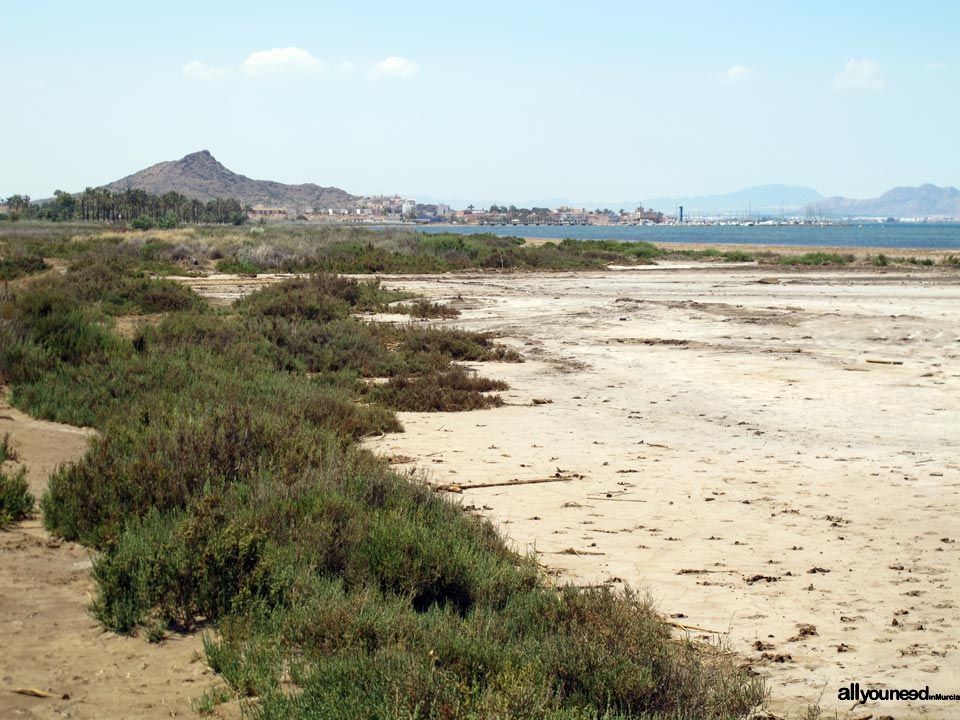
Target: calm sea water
x: 894, y: 235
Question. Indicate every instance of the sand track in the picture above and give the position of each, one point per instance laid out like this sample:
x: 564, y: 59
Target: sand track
x: 49, y: 641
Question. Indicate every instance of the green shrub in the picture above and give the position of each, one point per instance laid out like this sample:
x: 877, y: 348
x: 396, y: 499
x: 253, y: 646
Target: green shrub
x: 12, y: 268
x: 445, y: 391
x: 459, y: 345
x: 168, y: 221
x: 817, y: 258
x: 425, y: 309
x: 119, y: 287
x: 320, y: 297
x: 168, y: 459
x: 16, y: 502
x: 143, y: 223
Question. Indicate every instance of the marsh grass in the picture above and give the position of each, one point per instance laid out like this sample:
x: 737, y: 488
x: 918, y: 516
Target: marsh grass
x: 226, y: 490
x: 817, y: 258
x: 713, y: 254
x: 207, y: 703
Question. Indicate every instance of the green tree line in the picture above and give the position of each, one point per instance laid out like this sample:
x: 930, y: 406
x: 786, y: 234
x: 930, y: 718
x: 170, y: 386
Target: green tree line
x: 134, y: 206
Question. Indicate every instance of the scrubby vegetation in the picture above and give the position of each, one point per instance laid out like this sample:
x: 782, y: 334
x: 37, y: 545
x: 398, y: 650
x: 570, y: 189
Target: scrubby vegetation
x: 226, y: 491
x: 715, y: 254
x: 817, y: 258
x: 16, y: 502
x: 454, y: 389
x: 12, y: 268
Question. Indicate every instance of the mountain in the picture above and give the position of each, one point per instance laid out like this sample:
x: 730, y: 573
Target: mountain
x: 199, y: 175
x: 759, y: 199
x: 901, y: 202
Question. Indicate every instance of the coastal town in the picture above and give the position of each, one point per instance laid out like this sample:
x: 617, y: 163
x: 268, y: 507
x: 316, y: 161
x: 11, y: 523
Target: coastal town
x: 397, y: 209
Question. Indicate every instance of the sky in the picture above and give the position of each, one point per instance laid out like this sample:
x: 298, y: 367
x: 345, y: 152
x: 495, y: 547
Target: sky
x: 507, y: 102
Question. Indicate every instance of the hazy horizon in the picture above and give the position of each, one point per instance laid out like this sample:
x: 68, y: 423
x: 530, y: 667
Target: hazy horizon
x: 505, y: 103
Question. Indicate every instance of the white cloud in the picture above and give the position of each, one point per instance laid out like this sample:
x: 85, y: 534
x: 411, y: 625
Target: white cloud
x: 936, y: 66
x: 280, y: 61
x: 736, y: 74
x: 860, y: 74
x: 196, y: 70
x: 394, y: 67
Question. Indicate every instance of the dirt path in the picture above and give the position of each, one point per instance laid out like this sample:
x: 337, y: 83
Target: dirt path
x: 48, y: 640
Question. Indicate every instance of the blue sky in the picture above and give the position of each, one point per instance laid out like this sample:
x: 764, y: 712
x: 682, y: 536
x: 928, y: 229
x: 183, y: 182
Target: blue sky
x: 495, y: 101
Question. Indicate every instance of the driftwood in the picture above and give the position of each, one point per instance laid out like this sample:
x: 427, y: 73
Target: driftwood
x: 33, y: 692
x: 878, y: 361
x: 454, y: 488
x: 691, y: 627
x: 615, y: 498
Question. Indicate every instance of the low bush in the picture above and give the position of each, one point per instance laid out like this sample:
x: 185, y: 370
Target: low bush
x: 320, y: 297
x: 12, y: 268
x: 445, y: 391
x: 459, y: 345
x: 16, y: 502
x: 817, y: 258
x: 119, y: 287
x: 425, y: 309
x: 143, y: 222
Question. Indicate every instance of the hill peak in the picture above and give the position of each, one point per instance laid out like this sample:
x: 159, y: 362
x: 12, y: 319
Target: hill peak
x: 204, y: 155
x: 201, y: 176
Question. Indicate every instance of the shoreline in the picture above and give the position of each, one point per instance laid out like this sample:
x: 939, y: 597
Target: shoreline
x: 860, y: 252
x: 742, y: 460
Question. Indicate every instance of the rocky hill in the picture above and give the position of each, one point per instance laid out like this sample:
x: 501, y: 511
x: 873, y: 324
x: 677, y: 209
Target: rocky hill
x: 901, y: 202
x: 199, y: 175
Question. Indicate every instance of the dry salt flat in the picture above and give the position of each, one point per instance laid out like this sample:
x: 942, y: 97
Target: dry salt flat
x: 771, y: 454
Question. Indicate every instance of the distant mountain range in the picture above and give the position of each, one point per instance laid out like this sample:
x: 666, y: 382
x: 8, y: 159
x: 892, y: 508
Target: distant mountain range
x: 199, y: 175
x: 754, y: 200
x: 902, y: 202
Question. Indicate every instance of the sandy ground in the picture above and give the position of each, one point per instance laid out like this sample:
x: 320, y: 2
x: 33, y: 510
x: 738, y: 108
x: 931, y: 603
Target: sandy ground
x: 742, y: 459
x: 48, y: 640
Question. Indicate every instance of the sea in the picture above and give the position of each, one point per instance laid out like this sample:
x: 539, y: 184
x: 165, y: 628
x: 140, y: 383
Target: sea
x: 926, y: 236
